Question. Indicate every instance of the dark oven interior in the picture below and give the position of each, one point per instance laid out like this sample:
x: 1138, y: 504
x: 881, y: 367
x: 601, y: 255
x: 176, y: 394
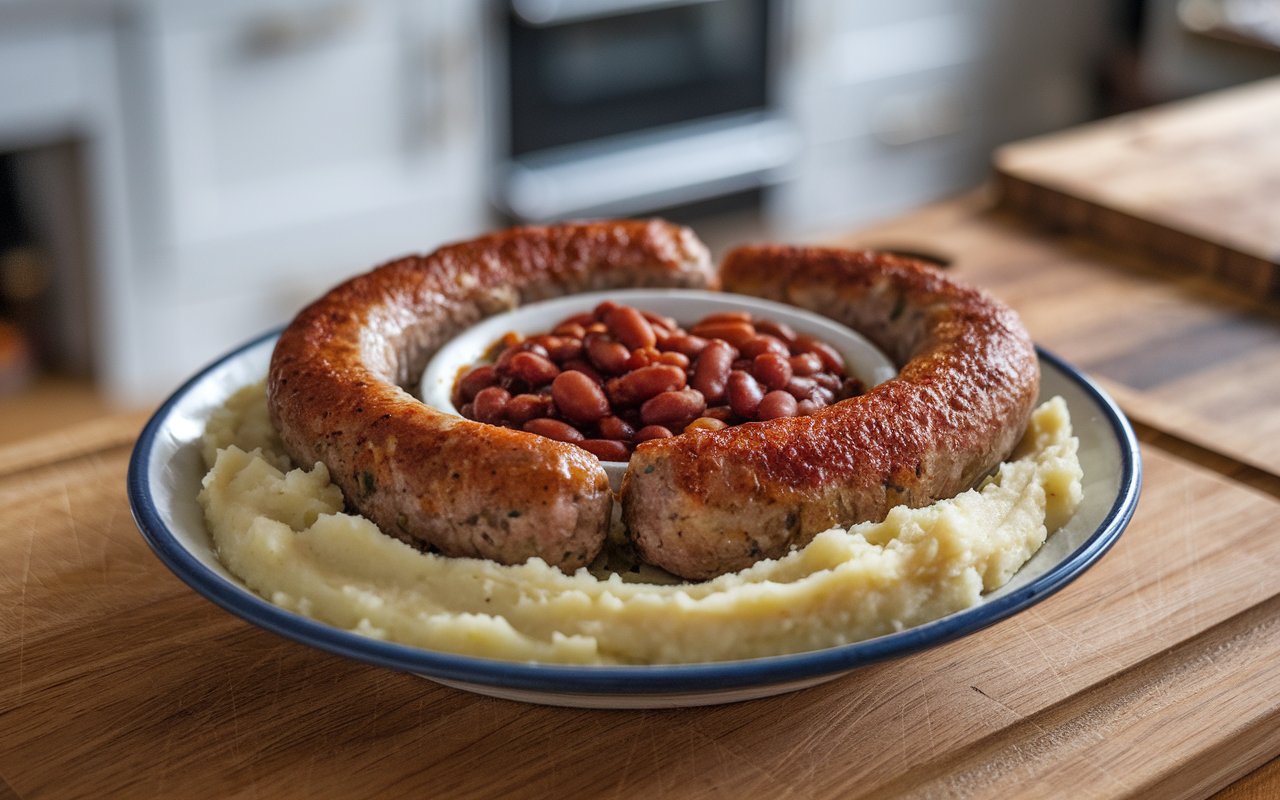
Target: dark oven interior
x: 585, y: 71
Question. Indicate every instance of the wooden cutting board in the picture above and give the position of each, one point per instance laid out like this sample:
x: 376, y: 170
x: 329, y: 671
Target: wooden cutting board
x: 1156, y: 674
x: 1195, y: 185
x: 1181, y: 354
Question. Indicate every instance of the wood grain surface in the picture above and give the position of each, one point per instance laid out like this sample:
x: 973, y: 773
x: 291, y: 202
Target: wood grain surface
x: 1195, y: 185
x: 1158, y: 665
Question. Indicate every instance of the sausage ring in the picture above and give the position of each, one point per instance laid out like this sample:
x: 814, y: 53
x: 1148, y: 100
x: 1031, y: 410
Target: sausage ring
x: 698, y: 505
x: 447, y: 484
x: 705, y: 503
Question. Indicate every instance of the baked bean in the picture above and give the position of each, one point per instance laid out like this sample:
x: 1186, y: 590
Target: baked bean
x: 727, y: 316
x: 578, y: 365
x: 642, y: 357
x: 617, y: 375
x: 735, y: 333
x: 674, y: 359
x: 686, y: 345
x: 579, y: 398
x: 673, y: 409
x: 490, y: 404
x: 631, y: 328
x: 616, y: 428
x: 571, y: 330
x: 776, y: 404
x: 524, y: 407
x: 827, y: 381
x: 609, y: 356
x: 636, y: 387
x: 475, y: 380
x: 561, y: 348
x: 805, y: 364
x: 801, y: 387
x: 659, y: 321
x: 831, y: 358
x: 721, y: 413
x: 744, y: 394
x: 554, y: 429
x: 711, y: 370
x: 652, y: 432
x: 532, y: 368
x: 771, y: 369
x: 582, y: 320
x: 504, y: 359
x: 606, y: 449
x: 706, y: 424
x: 761, y: 344
x: 780, y: 330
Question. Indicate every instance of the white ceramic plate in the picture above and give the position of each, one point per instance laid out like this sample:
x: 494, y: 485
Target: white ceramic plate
x: 164, y: 479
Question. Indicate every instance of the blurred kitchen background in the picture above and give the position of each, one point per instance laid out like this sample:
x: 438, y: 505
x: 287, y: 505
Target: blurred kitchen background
x: 177, y: 176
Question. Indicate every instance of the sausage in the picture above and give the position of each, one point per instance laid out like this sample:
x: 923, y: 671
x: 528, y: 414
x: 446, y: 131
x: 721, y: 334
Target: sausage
x: 436, y: 481
x: 709, y: 502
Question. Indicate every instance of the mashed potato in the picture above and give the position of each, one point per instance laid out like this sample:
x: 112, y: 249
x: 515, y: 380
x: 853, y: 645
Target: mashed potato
x: 284, y: 533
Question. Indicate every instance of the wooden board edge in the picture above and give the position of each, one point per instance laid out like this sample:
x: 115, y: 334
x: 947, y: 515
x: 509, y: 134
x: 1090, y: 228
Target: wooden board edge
x: 74, y: 441
x: 1175, y: 251
x: 1088, y: 735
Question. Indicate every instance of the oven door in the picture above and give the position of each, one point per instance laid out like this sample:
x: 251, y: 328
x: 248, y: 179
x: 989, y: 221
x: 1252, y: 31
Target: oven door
x: 623, y: 106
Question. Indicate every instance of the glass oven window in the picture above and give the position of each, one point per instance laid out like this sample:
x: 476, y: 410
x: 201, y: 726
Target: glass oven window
x: 605, y: 75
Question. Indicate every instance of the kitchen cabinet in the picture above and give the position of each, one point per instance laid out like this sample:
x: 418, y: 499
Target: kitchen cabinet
x: 244, y: 156
x: 292, y: 144
x: 901, y: 103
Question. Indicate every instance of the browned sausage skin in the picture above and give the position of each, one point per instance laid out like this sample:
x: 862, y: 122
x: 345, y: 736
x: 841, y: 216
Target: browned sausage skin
x: 455, y: 486
x: 706, y: 503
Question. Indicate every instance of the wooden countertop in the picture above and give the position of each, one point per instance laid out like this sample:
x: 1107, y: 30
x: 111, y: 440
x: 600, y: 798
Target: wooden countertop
x: 1194, y: 184
x: 1154, y: 674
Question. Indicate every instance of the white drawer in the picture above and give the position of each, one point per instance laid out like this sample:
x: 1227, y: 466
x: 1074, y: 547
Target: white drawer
x: 285, y: 136
x: 241, y: 112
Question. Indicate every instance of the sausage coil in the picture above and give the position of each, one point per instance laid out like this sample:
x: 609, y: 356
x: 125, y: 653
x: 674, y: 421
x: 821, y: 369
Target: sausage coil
x: 699, y: 504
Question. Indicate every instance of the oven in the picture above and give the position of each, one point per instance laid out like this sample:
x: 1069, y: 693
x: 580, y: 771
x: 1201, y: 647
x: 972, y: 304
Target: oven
x: 617, y: 107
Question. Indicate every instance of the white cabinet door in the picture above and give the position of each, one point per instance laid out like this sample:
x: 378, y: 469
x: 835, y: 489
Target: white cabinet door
x: 282, y: 145
x: 288, y: 127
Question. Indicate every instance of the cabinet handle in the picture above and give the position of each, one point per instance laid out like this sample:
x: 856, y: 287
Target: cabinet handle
x: 276, y: 33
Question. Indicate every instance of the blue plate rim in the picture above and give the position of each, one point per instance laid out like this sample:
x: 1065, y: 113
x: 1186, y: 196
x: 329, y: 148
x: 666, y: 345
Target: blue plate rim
x: 631, y: 681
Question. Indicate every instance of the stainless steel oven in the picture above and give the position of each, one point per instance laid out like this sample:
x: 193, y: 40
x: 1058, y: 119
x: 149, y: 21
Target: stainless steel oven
x: 628, y: 106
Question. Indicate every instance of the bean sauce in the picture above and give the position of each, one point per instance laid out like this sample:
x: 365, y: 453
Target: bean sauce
x: 609, y: 379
